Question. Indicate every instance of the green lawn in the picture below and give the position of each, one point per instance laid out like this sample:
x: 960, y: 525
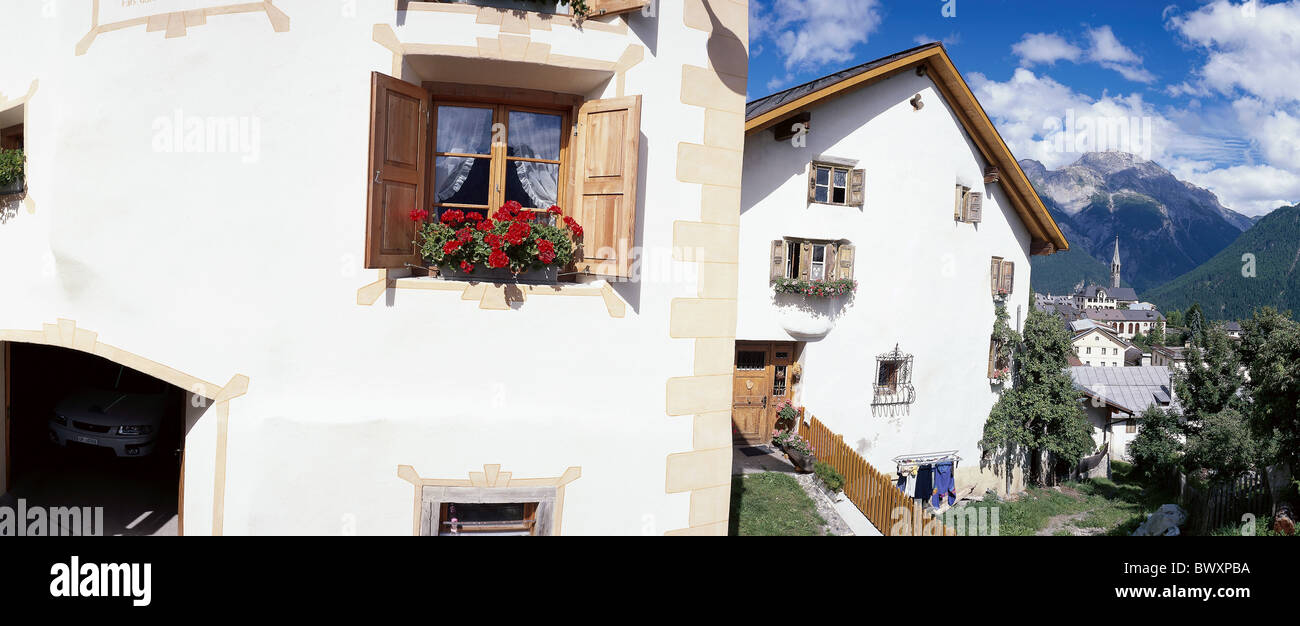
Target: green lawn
x: 1095, y: 506
x: 772, y: 504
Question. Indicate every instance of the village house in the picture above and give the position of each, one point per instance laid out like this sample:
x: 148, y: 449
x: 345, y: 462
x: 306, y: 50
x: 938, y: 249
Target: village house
x: 1169, y: 356
x: 1126, y: 323
x: 224, y: 196
x: 1115, y: 399
x: 888, y: 176
x: 1099, y: 347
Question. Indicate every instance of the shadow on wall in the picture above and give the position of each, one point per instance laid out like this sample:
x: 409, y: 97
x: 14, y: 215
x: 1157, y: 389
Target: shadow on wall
x: 819, y: 140
x: 719, y: 39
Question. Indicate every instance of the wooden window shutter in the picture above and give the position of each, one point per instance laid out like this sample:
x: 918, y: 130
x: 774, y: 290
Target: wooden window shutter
x: 829, y: 273
x: 778, y: 260
x: 959, y: 204
x: 974, y: 207
x: 1008, y: 275
x: 805, y: 259
x: 858, y: 188
x: 606, y: 172
x: 812, y: 183
x: 995, y: 274
x: 399, y: 155
x: 993, y: 356
x: 844, y: 261
x: 613, y: 7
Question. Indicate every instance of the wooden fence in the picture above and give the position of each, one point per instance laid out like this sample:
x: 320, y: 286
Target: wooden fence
x: 1223, y: 503
x: 874, y: 493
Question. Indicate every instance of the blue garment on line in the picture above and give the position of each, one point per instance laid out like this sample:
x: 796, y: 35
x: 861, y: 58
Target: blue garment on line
x: 943, y: 485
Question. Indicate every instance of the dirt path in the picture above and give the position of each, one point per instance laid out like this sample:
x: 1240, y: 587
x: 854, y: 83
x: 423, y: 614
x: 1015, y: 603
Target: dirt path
x: 1066, y: 523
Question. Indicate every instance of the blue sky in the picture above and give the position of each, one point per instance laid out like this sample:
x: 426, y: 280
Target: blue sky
x: 1217, y: 82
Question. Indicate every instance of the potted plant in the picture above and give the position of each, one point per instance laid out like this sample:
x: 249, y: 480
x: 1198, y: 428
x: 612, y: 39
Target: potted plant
x: 511, y: 243
x: 11, y: 171
x: 787, y: 416
x: 801, y: 453
x: 832, y: 481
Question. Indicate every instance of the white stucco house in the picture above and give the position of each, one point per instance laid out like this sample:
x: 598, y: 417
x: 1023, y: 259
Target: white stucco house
x: 891, y: 175
x: 1115, y: 398
x: 224, y: 196
x: 1099, y: 347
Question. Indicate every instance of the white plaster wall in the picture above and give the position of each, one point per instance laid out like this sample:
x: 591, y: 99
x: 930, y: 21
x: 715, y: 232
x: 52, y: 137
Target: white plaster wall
x: 924, y: 279
x: 1105, y: 353
x: 215, y: 266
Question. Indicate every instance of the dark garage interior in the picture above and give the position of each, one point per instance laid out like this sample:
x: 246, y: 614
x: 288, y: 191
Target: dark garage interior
x: 97, y: 408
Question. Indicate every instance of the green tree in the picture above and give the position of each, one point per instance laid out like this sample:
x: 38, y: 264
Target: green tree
x: 1157, y: 336
x: 1213, y: 376
x: 1041, y: 412
x: 1195, y: 322
x: 1270, y: 349
x: 1175, y: 318
x: 1157, y: 451
x: 1223, y: 444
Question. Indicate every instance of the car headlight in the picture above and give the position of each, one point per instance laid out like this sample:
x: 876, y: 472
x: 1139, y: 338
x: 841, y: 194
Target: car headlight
x: 134, y: 430
x: 60, y: 420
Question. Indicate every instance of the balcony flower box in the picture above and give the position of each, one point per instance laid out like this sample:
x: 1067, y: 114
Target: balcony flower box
x: 512, y: 245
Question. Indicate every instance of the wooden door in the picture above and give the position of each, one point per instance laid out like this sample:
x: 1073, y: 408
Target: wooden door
x: 751, y: 391
x: 761, y: 382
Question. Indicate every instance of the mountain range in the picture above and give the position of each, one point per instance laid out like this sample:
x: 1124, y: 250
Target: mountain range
x: 1166, y: 227
x: 1229, y: 286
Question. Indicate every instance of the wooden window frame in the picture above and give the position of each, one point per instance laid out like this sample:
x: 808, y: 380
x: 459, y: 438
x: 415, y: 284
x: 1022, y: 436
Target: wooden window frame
x: 830, y: 183
x: 794, y: 267
x: 502, y: 101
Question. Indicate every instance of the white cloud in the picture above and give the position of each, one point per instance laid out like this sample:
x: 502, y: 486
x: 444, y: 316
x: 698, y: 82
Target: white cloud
x: 1035, y: 48
x: 951, y: 40
x: 1249, y: 189
x: 1104, y: 49
x: 813, y: 33
x: 1250, y: 47
x: 1107, y: 48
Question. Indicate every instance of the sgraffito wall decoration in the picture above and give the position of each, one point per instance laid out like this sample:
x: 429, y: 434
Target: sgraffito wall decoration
x: 173, y: 17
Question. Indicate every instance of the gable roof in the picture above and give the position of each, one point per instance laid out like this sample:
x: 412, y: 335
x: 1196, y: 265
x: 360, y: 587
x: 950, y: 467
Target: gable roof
x: 1105, y: 332
x: 1127, y: 389
x: 1123, y: 294
x: 1124, y: 315
x: 766, y: 112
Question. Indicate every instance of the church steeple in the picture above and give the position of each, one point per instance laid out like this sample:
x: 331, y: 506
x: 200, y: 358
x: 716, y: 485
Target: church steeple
x: 1114, y: 266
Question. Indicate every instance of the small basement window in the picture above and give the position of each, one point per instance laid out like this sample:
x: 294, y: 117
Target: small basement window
x: 481, y: 520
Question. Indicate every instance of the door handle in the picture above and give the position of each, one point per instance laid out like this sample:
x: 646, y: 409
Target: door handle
x: 377, y: 173
x: 765, y: 402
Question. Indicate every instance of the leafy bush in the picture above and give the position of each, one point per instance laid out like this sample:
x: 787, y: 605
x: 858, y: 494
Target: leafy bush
x: 789, y: 440
x: 829, y: 476
x: 1157, y: 451
x: 11, y: 166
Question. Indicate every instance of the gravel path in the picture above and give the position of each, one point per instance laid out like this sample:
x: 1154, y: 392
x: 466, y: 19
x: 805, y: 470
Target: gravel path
x: 835, y: 525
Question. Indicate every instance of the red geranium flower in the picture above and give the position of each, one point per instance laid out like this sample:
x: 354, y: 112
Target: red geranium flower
x: 555, y: 210
x: 451, y: 247
x: 545, y: 245
x: 546, y: 257
x: 419, y: 215
x: 493, y: 240
x: 453, y: 217
x: 464, y: 235
x: 498, y: 259
x: 485, y: 225
x: 466, y: 266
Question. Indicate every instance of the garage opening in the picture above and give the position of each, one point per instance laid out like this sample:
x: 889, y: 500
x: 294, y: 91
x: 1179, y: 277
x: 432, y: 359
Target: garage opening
x: 82, y: 431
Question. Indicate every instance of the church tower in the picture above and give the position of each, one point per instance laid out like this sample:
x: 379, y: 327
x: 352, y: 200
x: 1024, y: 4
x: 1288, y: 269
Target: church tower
x: 1114, y: 265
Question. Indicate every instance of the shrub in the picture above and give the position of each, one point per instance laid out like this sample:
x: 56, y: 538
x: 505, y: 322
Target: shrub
x: 833, y: 480
x: 11, y: 166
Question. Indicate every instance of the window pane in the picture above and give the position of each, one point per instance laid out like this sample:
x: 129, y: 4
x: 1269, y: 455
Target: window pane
x: 841, y: 178
x: 534, y: 135
x: 534, y: 185
x: 817, y: 271
x: 819, y: 254
x: 839, y: 197
x: 751, y: 360
x: 464, y: 130
x: 823, y: 176
x: 461, y: 180
x: 822, y: 194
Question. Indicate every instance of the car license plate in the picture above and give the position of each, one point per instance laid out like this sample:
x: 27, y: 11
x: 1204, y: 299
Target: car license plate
x: 93, y: 442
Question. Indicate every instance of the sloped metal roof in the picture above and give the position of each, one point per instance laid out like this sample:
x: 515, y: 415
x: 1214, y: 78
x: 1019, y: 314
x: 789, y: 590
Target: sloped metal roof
x: 772, y: 102
x: 1130, y: 389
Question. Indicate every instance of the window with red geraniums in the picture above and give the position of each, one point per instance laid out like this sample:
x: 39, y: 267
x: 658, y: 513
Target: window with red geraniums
x: 513, y: 239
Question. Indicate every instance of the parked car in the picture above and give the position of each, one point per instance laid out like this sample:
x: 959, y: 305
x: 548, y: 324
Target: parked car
x: 126, y: 421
